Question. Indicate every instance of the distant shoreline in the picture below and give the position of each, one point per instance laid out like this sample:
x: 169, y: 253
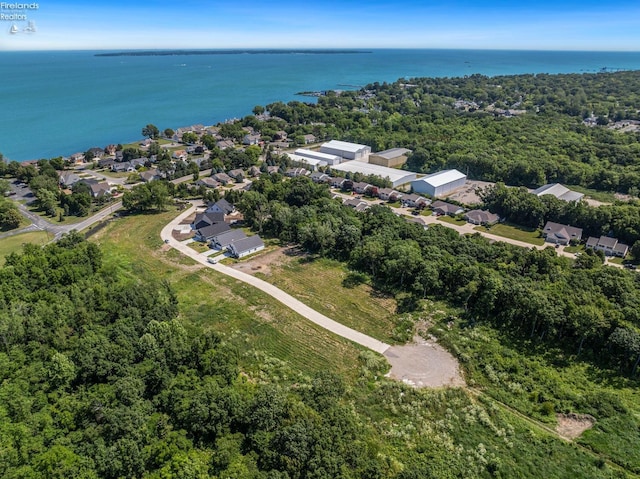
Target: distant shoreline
x: 153, y: 53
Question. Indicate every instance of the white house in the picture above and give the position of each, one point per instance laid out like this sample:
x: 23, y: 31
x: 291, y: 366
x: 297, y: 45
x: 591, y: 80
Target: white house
x: 348, y: 151
x: 439, y: 184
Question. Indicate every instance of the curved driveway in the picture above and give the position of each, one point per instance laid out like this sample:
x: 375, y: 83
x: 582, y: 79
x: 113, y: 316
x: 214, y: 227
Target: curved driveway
x: 286, y: 299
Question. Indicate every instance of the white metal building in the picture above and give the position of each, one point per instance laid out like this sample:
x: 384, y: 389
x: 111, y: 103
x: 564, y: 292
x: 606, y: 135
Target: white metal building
x: 348, y: 151
x: 397, y: 177
x: 313, y: 163
x: 316, y: 155
x: 439, y: 184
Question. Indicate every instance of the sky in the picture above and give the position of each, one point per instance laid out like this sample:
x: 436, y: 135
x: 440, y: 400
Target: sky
x: 161, y: 24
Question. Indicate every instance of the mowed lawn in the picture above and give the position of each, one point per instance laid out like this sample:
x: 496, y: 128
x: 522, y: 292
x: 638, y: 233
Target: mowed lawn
x: 13, y: 244
x: 257, y: 325
x: 319, y: 284
x: 519, y: 233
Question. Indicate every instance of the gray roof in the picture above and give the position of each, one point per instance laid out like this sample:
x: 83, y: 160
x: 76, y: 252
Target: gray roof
x: 228, y: 237
x: 246, y: 244
x: 559, y: 191
x: 213, y: 230
x: 447, y: 208
x: 482, y: 216
x: 393, y: 153
x: 556, y: 230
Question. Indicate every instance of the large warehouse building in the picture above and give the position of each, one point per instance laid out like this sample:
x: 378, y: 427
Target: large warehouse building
x: 348, y: 151
x: 439, y: 184
x: 390, y: 158
x: 397, y: 177
x: 316, y: 155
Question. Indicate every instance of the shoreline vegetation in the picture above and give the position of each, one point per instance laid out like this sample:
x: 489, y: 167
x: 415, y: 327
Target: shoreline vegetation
x: 151, y: 53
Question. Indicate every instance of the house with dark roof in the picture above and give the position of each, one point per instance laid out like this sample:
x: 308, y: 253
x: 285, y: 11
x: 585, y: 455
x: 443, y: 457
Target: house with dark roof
x: 319, y: 177
x: 243, y: 247
x: 608, y: 245
x: 206, y: 219
x: 237, y: 174
x: 560, y: 234
x: 150, y: 175
x: 100, y: 190
x: 223, y: 240
x: 222, y: 178
x: 207, y: 233
x: 481, y: 217
x: 208, y: 182
x: 295, y: 172
x: 360, y: 187
x: 443, y: 208
x: 106, y: 162
x: 356, y: 204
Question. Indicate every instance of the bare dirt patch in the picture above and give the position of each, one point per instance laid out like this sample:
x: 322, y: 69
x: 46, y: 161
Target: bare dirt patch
x: 572, y: 426
x: 424, y: 364
x: 263, y: 263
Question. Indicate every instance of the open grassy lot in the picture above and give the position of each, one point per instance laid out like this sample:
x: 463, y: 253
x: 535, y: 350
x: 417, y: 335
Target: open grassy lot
x: 199, y: 247
x: 603, y: 196
x: 452, y: 220
x: 528, y: 235
x: 320, y: 283
x: 14, y: 243
x: 257, y: 325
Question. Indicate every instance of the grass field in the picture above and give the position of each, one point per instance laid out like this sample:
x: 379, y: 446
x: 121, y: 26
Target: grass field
x: 603, y: 196
x: 453, y: 221
x: 319, y: 284
x: 199, y: 247
x: 519, y: 233
x: 14, y: 243
x: 256, y: 324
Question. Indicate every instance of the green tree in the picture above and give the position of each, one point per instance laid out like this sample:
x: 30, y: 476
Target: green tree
x: 151, y: 131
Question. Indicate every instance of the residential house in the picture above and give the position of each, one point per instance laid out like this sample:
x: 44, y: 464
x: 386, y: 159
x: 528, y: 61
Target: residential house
x: 100, y: 190
x: 237, y: 174
x: 251, y: 139
x: 119, y: 155
x: 319, y: 177
x: 280, y: 135
x: 222, y: 178
x: 208, y: 182
x: 180, y: 155
x: 137, y: 162
x: 295, y: 172
x: 223, y: 240
x: 481, y: 217
x: 608, y: 245
x: 561, y: 234
x: 389, y: 194
x: 243, y: 247
x: 273, y: 169
x: 356, y: 204
x: 68, y: 178
x: 442, y: 208
x: 77, y: 158
x: 207, y: 233
x: 308, y: 139
x: 207, y: 219
x: 254, y: 171
x: 150, y: 175
x: 110, y: 150
x: 146, y: 143
x: 361, y: 188
x: 106, y: 163
x: 123, y: 167
x: 96, y: 152
x: 342, y: 183
x: 221, y: 206
x: 224, y: 144
x: 414, y: 201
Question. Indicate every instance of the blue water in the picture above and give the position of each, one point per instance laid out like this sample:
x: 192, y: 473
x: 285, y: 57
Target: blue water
x: 58, y: 103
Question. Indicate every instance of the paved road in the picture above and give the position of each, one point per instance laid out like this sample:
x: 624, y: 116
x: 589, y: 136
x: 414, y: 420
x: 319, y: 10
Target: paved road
x: 286, y: 299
